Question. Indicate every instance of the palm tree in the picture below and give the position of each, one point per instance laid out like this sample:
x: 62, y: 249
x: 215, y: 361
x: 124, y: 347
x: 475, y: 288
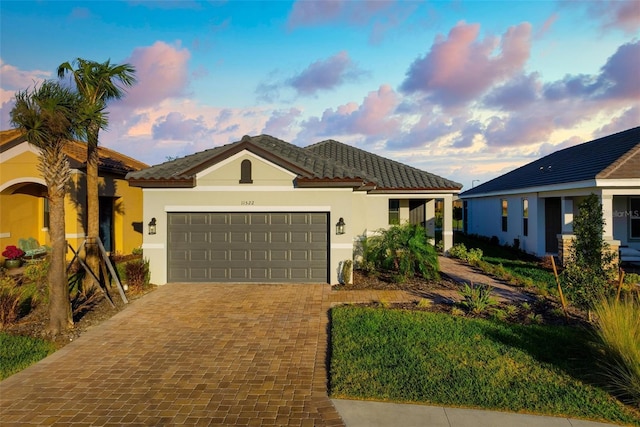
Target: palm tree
x: 48, y: 117
x: 97, y: 83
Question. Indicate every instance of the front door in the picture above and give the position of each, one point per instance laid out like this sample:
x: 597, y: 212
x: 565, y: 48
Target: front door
x: 552, y: 224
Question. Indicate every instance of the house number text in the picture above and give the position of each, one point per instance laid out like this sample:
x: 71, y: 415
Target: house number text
x: 247, y: 203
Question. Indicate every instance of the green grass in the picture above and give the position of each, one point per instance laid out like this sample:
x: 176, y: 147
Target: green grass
x: 436, y: 358
x: 18, y: 352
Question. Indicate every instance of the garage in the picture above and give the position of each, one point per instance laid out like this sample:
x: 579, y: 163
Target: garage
x: 260, y: 247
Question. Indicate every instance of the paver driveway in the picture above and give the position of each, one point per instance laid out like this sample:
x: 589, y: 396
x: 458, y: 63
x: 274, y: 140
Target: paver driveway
x: 205, y: 354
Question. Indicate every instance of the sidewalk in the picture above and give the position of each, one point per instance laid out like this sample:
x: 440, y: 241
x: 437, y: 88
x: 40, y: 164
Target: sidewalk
x: 356, y: 413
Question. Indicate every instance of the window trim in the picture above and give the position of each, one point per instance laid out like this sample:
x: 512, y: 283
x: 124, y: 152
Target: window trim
x: 394, y: 211
x: 245, y: 172
x: 504, y: 208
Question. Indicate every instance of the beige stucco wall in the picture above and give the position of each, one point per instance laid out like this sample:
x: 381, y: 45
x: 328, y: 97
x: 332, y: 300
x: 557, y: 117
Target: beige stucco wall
x: 218, y: 190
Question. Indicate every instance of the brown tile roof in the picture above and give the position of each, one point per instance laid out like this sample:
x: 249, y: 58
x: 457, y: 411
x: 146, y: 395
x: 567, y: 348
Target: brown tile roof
x: 324, y: 164
x: 615, y: 156
x: 76, y: 151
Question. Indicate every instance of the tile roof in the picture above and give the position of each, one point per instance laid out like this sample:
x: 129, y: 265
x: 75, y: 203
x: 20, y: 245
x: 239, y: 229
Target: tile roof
x: 327, y: 163
x: 615, y: 156
x: 76, y: 151
x: 389, y: 173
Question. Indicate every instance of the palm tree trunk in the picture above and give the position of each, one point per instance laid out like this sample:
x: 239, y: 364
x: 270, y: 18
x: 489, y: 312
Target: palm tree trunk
x: 55, y: 169
x: 93, y: 214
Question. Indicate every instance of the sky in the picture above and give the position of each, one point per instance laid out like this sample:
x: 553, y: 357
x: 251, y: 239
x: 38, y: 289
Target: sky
x: 467, y: 90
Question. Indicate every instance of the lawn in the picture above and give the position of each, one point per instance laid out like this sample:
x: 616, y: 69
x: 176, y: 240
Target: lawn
x: 436, y: 358
x: 18, y: 352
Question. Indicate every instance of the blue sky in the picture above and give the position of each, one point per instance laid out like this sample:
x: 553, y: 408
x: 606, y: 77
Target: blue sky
x: 464, y: 89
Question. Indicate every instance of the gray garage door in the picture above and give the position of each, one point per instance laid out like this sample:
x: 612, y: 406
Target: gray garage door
x: 248, y: 247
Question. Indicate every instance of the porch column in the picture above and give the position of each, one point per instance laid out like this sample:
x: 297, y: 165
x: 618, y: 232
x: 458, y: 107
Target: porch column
x: 447, y: 223
x: 430, y: 218
x: 607, y: 215
x: 567, y: 215
x: 565, y: 239
x: 607, y: 232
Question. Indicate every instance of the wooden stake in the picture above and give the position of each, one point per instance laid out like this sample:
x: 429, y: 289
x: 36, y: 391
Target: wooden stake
x: 620, y: 281
x: 555, y: 273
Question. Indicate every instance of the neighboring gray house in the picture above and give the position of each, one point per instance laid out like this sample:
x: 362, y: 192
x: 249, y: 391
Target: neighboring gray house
x: 264, y: 210
x: 534, y: 205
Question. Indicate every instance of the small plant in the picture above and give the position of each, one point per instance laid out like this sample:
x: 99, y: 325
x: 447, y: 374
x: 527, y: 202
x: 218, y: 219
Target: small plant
x: 9, y: 301
x: 425, y: 303
x: 137, y: 274
x: 534, y: 318
x: 618, y: 336
x: 137, y: 251
x: 510, y: 309
x: 12, y: 252
x: 477, y: 298
x: 459, y: 250
x: 455, y: 311
x: 499, y: 314
x: 525, y: 306
x: 36, y: 271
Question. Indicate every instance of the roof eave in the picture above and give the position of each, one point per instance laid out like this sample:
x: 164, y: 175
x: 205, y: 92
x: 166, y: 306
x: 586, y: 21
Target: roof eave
x: 162, y: 183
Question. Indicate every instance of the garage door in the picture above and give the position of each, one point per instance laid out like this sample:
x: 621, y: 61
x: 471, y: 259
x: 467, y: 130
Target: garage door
x: 248, y: 247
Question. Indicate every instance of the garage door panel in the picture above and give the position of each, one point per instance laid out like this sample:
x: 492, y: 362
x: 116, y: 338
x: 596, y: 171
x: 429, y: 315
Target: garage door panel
x: 248, y: 247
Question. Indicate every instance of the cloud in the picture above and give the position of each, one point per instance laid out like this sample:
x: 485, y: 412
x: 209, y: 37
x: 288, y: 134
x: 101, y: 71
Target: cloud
x: 175, y: 126
x: 630, y: 118
x: 281, y: 122
x: 460, y: 68
x: 374, y: 117
x: 15, y: 79
x: 161, y: 73
x: 306, y: 13
x: 613, y: 14
x: 325, y: 74
x: 617, y: 79
x: 517, y: 93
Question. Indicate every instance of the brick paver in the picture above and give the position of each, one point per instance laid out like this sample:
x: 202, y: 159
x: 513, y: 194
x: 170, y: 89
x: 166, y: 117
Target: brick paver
x: 188, y: 354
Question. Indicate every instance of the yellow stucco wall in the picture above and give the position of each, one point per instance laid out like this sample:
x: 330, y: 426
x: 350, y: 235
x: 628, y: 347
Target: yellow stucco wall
x: 22, y: 215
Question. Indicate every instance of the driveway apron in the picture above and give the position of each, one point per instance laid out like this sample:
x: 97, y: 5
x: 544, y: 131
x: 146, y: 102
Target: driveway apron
x: 188, y: 354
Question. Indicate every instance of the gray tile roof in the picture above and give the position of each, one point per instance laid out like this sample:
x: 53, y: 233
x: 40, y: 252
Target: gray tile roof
x: 613, y: 156
x: 327, y: 163
x: 389, y: 174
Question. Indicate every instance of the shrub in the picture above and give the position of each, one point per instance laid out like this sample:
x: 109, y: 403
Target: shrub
x: 618, y: 335
x: 459, y: 250
x: 347, y: 269
x: 477, y: 298
x: 472, y: 256
x: 405, y: 250
x: 9, y: 300
x: 137, y: 274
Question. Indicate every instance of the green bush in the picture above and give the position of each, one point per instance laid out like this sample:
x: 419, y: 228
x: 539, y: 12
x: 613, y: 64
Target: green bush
x: 137, y: 274
x: 459, y: 250
x: 477, y: 298
x: 10, y: 297
x: 618, y: 336
x: 404, y: 250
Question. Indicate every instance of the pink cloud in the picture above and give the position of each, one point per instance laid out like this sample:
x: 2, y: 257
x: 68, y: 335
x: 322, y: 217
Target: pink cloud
x: 175, y: 126
x: 314, y: 12
x: 374, y: 117
x: 281, y: 122
x: 630, y: 118
x: 325, y: 74
x: 461, y: 67
x: 15, y: 79
x: 546, y: 26
x: 620, y: 14
x: 161, y: 73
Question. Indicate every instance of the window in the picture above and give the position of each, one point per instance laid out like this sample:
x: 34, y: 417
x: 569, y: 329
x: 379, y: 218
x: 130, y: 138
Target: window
x: 525, y: 217
x: 394, y: 211
x: 504, y: 214
x: 245, y: 172
x: 45, y: 213
x: 634, y: 218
